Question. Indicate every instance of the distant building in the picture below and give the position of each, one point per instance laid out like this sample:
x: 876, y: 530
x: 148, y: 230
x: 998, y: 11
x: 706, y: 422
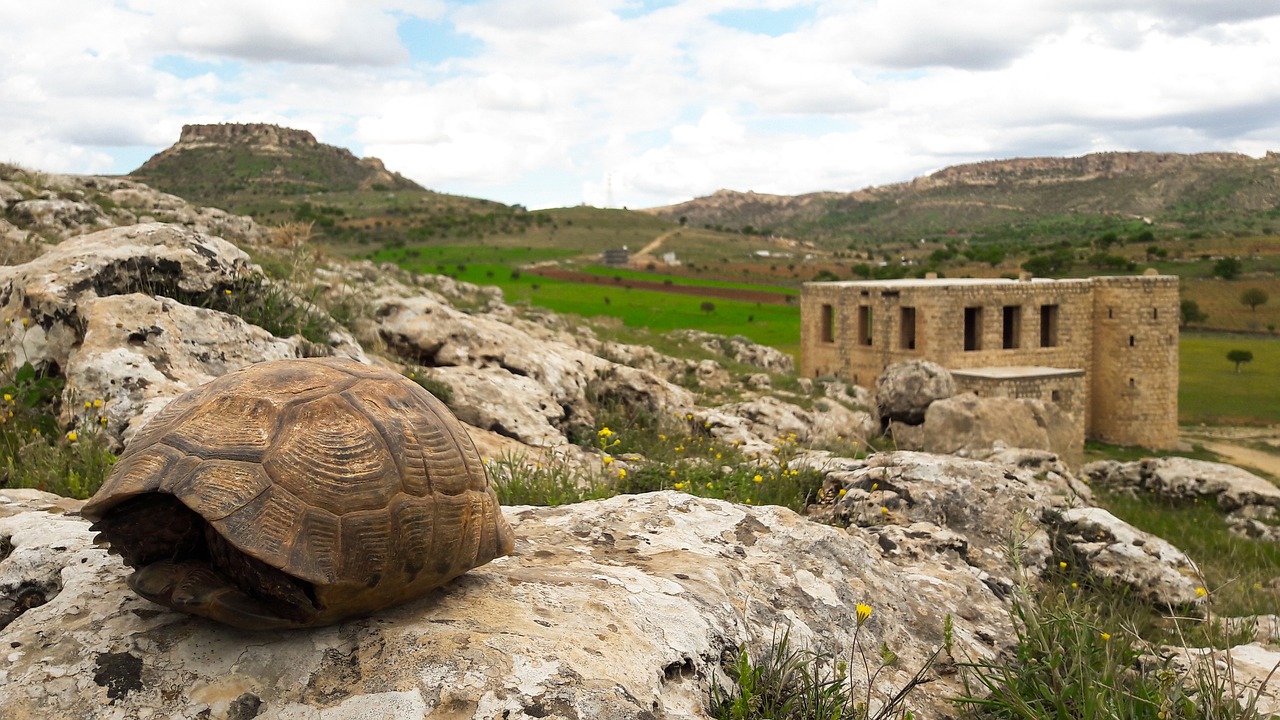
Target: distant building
x: 616, y: 257
x: 1104, y: 349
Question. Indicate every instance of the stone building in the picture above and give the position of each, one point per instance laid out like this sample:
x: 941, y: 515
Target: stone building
x: 1104, y: 349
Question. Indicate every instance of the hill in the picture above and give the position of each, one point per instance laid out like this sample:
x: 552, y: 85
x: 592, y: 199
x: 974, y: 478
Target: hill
x: 1026, y: 198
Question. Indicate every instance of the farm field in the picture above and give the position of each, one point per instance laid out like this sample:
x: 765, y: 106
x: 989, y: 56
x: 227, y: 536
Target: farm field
x: 1211, y: 392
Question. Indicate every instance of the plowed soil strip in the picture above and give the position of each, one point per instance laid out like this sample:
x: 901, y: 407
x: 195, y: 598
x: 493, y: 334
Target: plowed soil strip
x: 755, y: 296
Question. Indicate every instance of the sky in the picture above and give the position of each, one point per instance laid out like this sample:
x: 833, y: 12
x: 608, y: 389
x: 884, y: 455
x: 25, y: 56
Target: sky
x: 641, y: 103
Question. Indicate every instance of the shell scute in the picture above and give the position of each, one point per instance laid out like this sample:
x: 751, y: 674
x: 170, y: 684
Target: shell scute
x: 314, y: 557
x: 217, y: 488
x: 367, y: 544
x: 265, y: 527
x: 332, y: 457
x: 236, y: 426
x: 155, y: 468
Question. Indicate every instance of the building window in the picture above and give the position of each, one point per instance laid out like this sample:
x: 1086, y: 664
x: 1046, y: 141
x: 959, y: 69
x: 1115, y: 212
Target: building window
x: 1109, y: 315
x: 1012, y: 326
x: 972, y: 328
x: 1155, y: 313
x: 908, y: 328
x: 1048, y: 326
x: 1130, y: 341
x: 864, y: 324
x: 828, y: 323
x: 1056, y: 396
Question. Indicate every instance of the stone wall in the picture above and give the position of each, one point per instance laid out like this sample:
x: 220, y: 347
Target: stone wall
x: 856, y: 329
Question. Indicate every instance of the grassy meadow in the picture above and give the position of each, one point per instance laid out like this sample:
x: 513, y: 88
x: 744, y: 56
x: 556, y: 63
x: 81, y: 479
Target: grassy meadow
x: 1210, y: 390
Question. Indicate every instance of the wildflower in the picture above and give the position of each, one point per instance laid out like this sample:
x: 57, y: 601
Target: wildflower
x: 717, y: 456
x: 72, y: 436
x: 708, y: 485
x: 1062, y: 565
x: 227, y: 292
x: 412, y: 374
x: 678, y: 486
x: 1075, y: 586
x: 689, y: 416
x: 25, y: 322
x: 87, y: 404
x: 607, y: 459
x: 1106, y: 637
x: 662, y: 437
x: 605, y: 432
x: 863, y: 611
x: 757, y: 478
x: 884, y: 510
x: 875, y: 486
x: 706, y: 424
x: 673, y: 473
x: 8, y: 397
x: 102, y: 420
x: 622, y: 473
x: 1201, y: 592
x: 842, y: 492
x: 679, y: 448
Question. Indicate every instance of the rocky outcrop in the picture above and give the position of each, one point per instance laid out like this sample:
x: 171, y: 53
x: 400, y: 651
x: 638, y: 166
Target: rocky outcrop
x: 977, y: 512
x: 622, y: 608
x: 102, y: 310
x: 1252, y: 504
x: 739, y: 349
x: 904, y: 391
x: 1111, y: 549
x: 36, y: 208
x: 976, y: 427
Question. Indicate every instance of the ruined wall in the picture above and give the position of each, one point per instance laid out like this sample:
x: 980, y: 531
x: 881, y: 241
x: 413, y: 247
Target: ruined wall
x: 1135, y: 361
x: 856, y: 329
x: 1067, y: 390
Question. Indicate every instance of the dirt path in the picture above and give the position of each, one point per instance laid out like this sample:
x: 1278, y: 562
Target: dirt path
x: 647, y: 251
x: 1229, y: 443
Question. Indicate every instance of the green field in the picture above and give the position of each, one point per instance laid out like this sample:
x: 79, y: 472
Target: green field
x: 1211, y: 392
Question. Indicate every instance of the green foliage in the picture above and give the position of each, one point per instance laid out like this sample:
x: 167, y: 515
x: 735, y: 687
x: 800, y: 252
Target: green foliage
x: 1227, y: 268
x: 1239, y: 357
x: 788, y: 683
x: 1253, y: 297
x: 34, y: 453
x: 1190, y: 313
x: 1057, y: 262
x: 1208, y: 390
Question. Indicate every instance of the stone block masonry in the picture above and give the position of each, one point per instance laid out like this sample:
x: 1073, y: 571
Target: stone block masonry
x: 1120, y: 334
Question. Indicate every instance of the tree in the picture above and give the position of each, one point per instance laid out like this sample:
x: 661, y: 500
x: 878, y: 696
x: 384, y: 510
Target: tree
x: 1253, y: 297
x: 1239, y: 357
x: 1191, y: 313
x: 1227, y: 268
x: 708, y: 307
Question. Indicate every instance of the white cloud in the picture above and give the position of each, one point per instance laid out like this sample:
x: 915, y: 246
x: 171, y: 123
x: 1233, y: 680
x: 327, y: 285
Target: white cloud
x: 563, y: 101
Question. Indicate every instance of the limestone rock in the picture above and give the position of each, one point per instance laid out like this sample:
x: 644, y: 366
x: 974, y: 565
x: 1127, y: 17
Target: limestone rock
x: 981, y: 502
x: 140, y: 352
x: 1252, y: 667
x: 976, y: 426
x: 621, y: 609
x: 759, y: 425
x: 511, y: 405
x: 739, y: 349
x: 1184, y: 478
x: 904, y: 390
x: 1155, y: 570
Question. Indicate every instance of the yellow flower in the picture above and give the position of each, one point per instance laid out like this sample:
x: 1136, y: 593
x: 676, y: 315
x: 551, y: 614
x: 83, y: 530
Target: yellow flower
x: 8, y: 397
x: 708, y: 485
x: 717, y: 456
x: 605, y: 432
x: 863, y: 611
x: 97, y: 403
x: 884, y: 510
x: 689, y: 416
x: 607, y: 459
x: 875, y: 486
x: 662, y: 437
x: 678, y: 486
x: 25, y: 322
x: 1062, y: 565
x: 679, y: 448
x: 102, y: 420
x: 72, y: 436
x: 673, y: 473
x: 1106, y: 637
x: 758, y: 479
x: 1074, y: 586
x: 622, y: 473
x: 1201, y: 592
x: 227, y: 291
x: 842, y: 492
x: 87, y: 404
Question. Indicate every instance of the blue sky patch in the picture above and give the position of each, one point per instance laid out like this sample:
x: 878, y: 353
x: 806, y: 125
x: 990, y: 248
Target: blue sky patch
x: 434, y: 41
x: 765, y: 22
x: 186, y: 68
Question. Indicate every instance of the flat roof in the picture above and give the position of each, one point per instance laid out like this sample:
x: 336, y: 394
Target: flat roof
x: 970, y: 282
x: 1013, y: 372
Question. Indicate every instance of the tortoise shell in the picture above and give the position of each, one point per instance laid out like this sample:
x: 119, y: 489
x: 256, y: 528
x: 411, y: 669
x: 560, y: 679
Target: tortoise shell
x: 298, y: 493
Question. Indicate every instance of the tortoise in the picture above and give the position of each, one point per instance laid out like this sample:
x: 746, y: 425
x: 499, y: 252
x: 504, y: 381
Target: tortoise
x: 299, y: 493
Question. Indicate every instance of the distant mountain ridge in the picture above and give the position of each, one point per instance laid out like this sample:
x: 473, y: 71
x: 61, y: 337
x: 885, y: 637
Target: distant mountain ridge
x: 211, y: 162
x: 1184, y: 190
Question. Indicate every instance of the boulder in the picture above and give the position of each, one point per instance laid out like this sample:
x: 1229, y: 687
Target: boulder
x: 511, y: 405
x: 623, y: 609
x: 904, y: 390
x: 740, y: 349
x: 978, y: 426
x: 1156, y: 571
x: 1185, y: 479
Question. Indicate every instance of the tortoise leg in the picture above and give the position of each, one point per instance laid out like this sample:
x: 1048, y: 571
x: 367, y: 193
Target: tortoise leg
x: 195, y: 588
